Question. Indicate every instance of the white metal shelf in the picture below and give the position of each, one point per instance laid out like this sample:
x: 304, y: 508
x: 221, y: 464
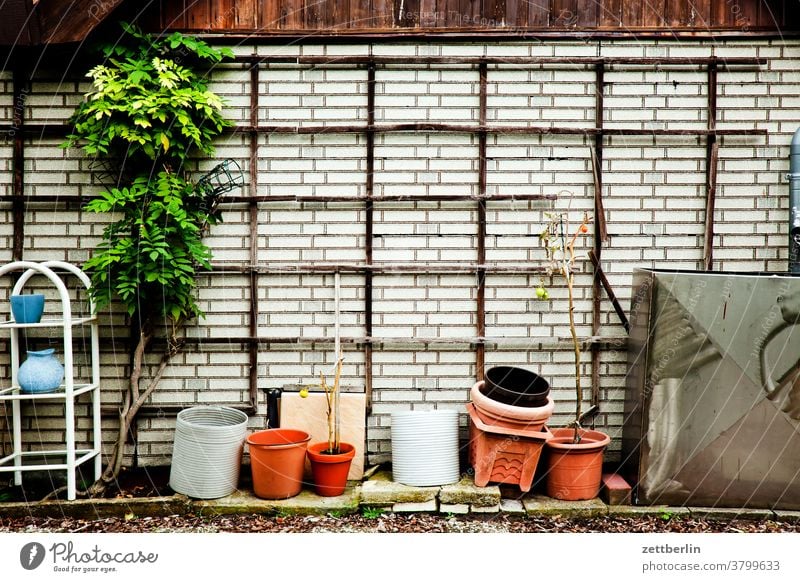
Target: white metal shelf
x: 68, y: 391
x: 85, y: 455
x: 15, y: 393
x: 47, y: 323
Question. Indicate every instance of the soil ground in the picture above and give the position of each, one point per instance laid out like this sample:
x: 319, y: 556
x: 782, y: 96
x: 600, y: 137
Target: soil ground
x: 152, y: 482
x: 377, y: 522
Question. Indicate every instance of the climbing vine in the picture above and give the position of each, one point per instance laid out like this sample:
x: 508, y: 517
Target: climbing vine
x: 148, y: 112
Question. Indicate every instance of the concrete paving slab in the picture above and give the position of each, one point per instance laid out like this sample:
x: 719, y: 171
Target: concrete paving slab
x: 664, y: 511
x: 730, y: 513
x: 306, y: 503
x: 787, y: 515
x: 455, y: 508
x: 381, y: 490
x: 465, y: 491
x: 100, y: 508
x: 425, y: 507
x: 485, y: 508
x: 512, y: 506
x: 543, y: 505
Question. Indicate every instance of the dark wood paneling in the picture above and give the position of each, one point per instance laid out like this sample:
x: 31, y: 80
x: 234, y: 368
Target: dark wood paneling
x: 611, y: 13
x: 516, y: 13
x: 564, y: 14
x: 245, y: 13
x: 587, y: 13
x: 747, y: 15
x: 388, y: 15
x: 722, y: 13
x: 408, y: 12
x: 538, y: 13
x: 71, y: 21
x: 269, y: 15
x: 198, y: 15
x: 678, y: 13
x: 471, y: 12
x: 384, y: 15
x: 632, y: 14
x: 773, y: 13
x: 652, y: 15
x: 360, y: 14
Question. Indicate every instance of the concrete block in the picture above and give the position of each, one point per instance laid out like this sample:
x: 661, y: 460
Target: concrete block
x: 543, y: 505
x: 512, y: 506
x: 426, y: 506
x: 730, y: 513
x: 485, y: 508
x: 664, y: 511
x: 465, y: 491
x: 381, y: 490
x: 458, y: 508
x: 786, y: 515
x: 306, y: 503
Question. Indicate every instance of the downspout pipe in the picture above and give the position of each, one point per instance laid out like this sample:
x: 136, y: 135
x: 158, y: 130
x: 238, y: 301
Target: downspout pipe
x: 794, y: 204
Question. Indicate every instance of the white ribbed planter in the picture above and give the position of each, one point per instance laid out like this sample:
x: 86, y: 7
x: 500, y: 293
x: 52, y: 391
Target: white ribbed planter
x: 425, y: 447
x: 207, y: 452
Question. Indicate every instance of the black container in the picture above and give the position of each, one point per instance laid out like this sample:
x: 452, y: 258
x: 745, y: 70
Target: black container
x: 516, y: 387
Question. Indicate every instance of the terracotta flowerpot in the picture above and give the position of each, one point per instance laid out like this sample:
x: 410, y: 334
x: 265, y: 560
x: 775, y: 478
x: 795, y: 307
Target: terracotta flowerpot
x: 498, y: 414
x: 574, y: 471
x: 504, y: 455
x: 330, y: 471
x: 277, y: 459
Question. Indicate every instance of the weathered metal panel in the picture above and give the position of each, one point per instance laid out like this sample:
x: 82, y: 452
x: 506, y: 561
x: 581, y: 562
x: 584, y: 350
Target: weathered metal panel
x: 713, y: 395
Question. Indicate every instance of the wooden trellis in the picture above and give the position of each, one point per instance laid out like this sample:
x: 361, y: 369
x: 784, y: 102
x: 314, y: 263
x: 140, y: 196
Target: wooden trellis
x: 254, y: 269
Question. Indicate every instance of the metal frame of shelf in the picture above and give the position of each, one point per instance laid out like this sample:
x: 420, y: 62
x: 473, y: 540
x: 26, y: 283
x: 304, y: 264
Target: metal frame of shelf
x: 68, y: 392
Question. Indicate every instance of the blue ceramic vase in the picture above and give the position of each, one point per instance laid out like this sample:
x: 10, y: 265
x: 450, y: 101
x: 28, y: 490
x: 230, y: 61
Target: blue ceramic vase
x: 40, y: 373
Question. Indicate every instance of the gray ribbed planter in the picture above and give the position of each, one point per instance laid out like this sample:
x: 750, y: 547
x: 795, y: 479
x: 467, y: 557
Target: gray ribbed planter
x: 207, y: 452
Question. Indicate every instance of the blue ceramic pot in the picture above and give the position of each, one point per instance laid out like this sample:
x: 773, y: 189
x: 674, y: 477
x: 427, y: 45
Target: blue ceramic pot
x: 41, y: 372
x: 27, y: 308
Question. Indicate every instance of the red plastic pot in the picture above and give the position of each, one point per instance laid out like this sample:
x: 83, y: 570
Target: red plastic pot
x: 277, y: 460
x: 330, y: 470
x: 574, y: 471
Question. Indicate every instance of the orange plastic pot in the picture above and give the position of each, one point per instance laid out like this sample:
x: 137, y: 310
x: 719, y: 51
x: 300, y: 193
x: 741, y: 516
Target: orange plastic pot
x: 574, y: 471
x: 277, y: 459
x: 330, y: 471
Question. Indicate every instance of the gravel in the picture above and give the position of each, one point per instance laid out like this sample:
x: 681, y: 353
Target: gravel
x: 394, y: 523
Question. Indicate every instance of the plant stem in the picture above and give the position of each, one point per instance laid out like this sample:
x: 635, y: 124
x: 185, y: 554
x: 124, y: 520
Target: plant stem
x: 577, y: 346
x: 337, y: 420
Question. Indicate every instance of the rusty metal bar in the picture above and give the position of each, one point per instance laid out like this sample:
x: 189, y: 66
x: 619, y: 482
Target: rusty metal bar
x: 491, y: 129
x: 20, y: 92
x: 369, y: 219
x: 599, y: 274
x: 600, y: 234
x: 483, y: 61
x: 394, y: 268
x: 712, y: 154
x: 53, y: 130
x: 78, y: 200
x: 253, y: 216
x: 480, y: 303
x: 618, y: 342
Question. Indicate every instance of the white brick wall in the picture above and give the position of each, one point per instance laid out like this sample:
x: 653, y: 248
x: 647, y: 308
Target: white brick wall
x: 653, y: 191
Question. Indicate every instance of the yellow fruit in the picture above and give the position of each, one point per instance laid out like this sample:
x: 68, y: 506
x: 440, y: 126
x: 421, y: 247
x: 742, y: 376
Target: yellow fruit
x: 304, y: 393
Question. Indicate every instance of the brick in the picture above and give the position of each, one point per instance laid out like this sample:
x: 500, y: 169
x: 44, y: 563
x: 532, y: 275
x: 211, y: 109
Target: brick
x: 615, y: 490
